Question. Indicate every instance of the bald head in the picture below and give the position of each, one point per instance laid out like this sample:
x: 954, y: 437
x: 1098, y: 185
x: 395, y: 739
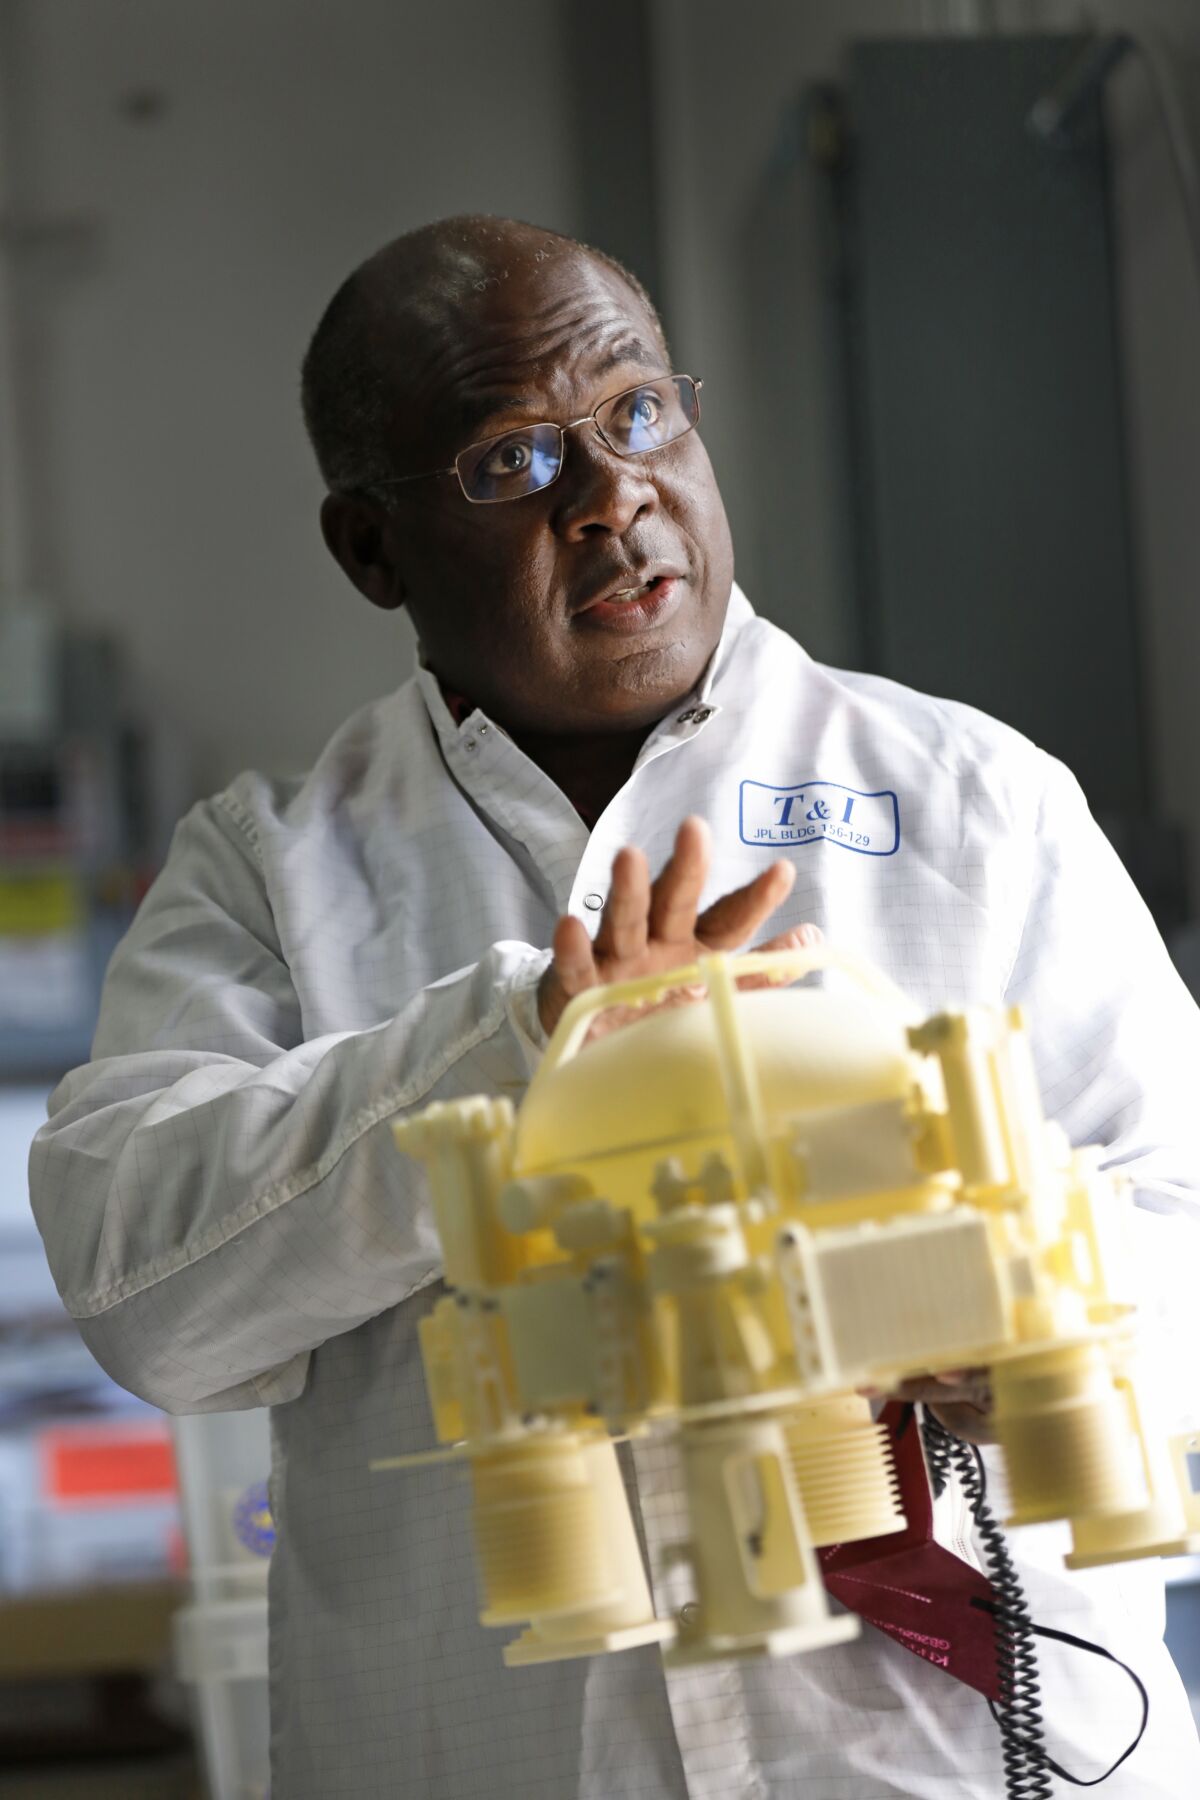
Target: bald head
x: 412, y: 301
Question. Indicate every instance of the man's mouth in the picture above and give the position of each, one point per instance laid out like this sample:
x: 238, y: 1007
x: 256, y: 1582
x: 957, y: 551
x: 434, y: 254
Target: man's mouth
x: 630, y: 591
x: 636, y: 607
x: 623, y: 595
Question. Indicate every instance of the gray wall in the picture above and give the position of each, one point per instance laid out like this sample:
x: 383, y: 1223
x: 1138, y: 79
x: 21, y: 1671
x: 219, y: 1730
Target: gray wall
x: 171, y: 489
x: 731, y: 180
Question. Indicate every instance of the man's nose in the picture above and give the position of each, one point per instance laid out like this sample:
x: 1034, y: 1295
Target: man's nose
x: 601, y: 491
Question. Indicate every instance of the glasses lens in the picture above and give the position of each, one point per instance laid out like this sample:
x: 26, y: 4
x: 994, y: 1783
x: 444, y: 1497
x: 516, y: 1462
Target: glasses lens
x: 647, y: 417
x: 516, y: 463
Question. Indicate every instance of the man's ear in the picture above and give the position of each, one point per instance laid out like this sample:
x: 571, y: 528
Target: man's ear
x: 358, y: 538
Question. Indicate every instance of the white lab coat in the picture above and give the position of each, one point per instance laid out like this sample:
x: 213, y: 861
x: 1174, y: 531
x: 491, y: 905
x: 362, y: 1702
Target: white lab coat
x: 229, y: 1222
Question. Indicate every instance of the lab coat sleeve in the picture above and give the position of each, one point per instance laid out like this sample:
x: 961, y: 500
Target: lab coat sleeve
x: 1116, y: 1035
x: 218, y: 1196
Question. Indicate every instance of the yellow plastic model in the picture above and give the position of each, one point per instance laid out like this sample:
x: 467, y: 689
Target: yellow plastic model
x: 722, y: 1221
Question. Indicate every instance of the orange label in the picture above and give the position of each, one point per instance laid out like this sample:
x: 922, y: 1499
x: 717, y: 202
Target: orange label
x: 87, y: 1465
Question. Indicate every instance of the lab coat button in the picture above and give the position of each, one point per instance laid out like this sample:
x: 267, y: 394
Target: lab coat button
x: 593, y: 902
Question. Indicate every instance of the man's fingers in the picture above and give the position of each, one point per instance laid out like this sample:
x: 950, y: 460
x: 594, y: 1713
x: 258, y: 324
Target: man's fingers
x: 959, y: 1387
x: 967, y: 1419
x: 801, y: 937
x: 574, y: 963
x: 737, y: 916
x: 617, y: 1017
x: 960, y: 1398
x: 622, y: 933
x: 676, y: 894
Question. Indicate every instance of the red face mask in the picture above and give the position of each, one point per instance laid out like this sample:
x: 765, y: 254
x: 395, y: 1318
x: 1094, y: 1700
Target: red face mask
x: 911, y: 1587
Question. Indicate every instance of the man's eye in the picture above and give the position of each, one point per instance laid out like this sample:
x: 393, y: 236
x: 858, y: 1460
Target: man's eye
x: 512, y: 456
x: 643, y: 409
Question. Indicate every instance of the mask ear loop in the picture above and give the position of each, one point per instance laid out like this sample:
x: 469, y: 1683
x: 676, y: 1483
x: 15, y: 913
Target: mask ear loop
x: 1068, y: 1637
x: 1027, y: 1764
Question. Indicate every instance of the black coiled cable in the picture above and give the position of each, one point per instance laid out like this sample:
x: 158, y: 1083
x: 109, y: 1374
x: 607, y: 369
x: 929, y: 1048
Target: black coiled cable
x: 1027, y: 1764
x: 1018, y: 1711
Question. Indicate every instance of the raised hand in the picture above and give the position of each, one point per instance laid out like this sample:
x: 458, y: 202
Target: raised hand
x: 651, y: 927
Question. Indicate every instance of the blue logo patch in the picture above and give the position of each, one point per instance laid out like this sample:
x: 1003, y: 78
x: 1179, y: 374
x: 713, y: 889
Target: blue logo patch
x: 816, y: 810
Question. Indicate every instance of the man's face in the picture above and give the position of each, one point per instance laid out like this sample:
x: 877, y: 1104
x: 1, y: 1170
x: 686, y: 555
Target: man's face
x: 504, y: 596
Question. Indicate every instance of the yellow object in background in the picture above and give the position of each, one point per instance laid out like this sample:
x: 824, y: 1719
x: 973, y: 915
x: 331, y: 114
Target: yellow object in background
x: 39, y: 902
x: 724, y: 1220
x: 46, y: 974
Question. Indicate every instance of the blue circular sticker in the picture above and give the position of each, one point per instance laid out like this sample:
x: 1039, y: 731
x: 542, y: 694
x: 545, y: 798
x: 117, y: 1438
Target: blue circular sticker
x: 252, y: 1520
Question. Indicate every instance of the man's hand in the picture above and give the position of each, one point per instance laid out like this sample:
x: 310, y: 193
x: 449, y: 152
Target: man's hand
x: 960, y: 1398
x: 651, y: 927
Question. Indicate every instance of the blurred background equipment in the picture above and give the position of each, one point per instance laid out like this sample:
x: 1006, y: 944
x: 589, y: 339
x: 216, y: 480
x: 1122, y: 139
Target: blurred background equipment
x: 221, y: 1636
x: 81, y: 830
x: 987, y: 480
x: 91, y: 1548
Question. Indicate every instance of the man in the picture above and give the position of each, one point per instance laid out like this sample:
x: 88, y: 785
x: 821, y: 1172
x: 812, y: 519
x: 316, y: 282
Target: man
x: 510, y: 456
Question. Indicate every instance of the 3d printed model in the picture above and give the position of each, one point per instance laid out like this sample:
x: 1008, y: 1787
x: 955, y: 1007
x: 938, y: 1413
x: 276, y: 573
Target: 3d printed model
x: 723, y: 1220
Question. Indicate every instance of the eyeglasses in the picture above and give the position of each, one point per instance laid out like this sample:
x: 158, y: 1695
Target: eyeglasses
x: 523, y: 461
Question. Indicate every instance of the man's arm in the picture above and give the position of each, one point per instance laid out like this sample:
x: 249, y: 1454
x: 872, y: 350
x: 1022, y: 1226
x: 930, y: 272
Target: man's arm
x: 1116, y: 1035
x: 216, y: 1195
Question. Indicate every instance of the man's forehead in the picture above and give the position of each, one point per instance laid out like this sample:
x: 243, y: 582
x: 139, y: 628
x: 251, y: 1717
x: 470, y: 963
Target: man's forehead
x: 528, y: 330
x: 507, y: 387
